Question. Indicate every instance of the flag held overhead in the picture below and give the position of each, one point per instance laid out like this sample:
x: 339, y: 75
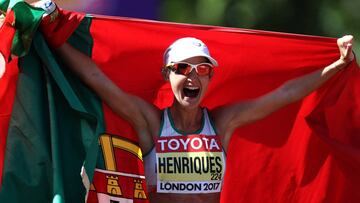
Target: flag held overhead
x: 304, y: 152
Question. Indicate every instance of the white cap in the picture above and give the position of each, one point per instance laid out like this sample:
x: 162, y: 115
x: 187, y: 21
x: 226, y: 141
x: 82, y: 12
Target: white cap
x: 185, y: 48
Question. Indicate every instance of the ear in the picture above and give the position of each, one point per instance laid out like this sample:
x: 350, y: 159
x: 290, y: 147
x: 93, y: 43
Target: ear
x: 165, y: 73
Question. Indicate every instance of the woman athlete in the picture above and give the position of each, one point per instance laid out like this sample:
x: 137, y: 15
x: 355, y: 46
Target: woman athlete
x: 184, y: 144
x: 185, y: 127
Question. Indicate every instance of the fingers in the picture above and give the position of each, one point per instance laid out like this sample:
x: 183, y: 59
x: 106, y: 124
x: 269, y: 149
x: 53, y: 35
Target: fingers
x: 345, y: 41
x: 47, y: 5
x: 348, y: 49
x: 345, y: 44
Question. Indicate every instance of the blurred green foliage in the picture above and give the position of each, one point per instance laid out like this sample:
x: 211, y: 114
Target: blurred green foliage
x: 331, y: 18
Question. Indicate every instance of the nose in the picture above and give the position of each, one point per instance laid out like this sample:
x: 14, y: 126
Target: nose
x: 192, y: 74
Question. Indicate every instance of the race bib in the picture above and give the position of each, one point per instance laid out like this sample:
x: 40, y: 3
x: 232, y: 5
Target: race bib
x: 189, y: 164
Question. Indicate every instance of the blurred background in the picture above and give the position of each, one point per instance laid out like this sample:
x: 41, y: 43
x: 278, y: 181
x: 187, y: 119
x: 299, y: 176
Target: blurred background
x: 331, y: 18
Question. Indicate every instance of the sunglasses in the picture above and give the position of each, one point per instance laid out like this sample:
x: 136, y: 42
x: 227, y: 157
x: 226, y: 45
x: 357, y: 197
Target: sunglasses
x: 184, y: 68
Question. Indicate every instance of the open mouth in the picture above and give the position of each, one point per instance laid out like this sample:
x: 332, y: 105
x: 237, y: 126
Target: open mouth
x: 191, y: 91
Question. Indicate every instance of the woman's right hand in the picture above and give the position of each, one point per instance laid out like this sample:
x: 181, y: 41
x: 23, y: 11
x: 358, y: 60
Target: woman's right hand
x: 57, y: 25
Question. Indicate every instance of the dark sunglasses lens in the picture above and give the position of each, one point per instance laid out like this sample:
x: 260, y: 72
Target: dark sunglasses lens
x: 182, y: 68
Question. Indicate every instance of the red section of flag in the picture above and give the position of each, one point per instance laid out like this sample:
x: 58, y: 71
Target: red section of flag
x: 305, y: 152
x: 58, y: 26
x: 119, y: 185
x: 123, y: 172
x: 8, y: 78
x: 133, y: 162
x: 308, y: 151
x: 7, y: 95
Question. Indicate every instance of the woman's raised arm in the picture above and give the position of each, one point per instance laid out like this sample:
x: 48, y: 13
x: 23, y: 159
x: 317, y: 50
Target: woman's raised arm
x: 144, y: 117
x: 228, y: 118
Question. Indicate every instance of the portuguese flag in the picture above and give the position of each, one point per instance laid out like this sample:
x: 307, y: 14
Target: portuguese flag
x: 60, y: 143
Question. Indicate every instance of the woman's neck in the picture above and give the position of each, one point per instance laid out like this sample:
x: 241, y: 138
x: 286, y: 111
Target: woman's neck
x: 187, y: 120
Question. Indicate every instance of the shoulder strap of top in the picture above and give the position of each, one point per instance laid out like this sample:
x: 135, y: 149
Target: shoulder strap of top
x: 208, y: 123
x: 166, y: 128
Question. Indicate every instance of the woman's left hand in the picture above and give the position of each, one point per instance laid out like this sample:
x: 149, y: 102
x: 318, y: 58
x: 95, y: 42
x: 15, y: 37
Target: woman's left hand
x: 345, y: 47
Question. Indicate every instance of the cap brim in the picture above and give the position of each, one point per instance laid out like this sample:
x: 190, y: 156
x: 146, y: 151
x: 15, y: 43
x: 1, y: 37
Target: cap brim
x: 211, y: 59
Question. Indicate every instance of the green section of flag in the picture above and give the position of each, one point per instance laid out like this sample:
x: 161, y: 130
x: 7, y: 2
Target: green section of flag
x: 4, y: 4
x: 27, y: 20
x: 54, y: 128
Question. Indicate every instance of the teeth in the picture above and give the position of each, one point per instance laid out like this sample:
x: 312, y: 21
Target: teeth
x: 192, y: 88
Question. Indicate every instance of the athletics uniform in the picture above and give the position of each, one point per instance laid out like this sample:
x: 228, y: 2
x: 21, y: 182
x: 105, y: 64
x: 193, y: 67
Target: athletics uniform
x: 192, y: 163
